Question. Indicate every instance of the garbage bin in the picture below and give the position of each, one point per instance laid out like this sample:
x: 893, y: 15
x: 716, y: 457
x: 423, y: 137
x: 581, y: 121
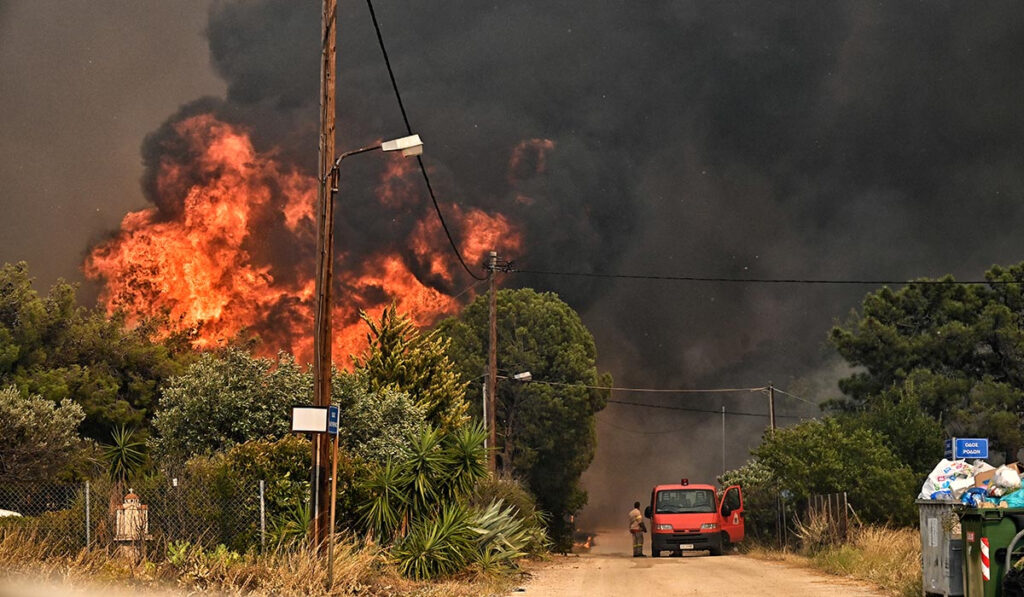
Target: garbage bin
x: 941, y: 548
x: 988, y: 530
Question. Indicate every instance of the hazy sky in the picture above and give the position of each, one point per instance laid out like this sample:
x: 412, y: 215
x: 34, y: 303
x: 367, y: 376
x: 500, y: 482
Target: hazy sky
x: 802, y: 139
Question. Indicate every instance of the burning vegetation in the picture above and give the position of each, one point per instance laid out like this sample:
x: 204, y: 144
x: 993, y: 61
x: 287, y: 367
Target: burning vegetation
x: 229, y: 248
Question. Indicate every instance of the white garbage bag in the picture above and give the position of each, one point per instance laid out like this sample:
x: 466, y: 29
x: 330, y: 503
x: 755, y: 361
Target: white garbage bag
x: 1006, y: 477
x: 940, y: 482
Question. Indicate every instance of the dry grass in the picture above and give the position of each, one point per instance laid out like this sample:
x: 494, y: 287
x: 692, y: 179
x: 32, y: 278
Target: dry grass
x: 31, y: 566
x: 889, y: 558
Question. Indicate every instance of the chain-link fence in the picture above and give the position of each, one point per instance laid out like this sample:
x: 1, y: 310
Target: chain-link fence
x: 156, y: 512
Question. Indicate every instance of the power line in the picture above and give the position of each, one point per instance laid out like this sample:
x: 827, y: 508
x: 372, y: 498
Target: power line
x: 703, y: 410
x: 795, y: 396
x: 419, y: 159
x: 817, y: 281
x: 651, y: 390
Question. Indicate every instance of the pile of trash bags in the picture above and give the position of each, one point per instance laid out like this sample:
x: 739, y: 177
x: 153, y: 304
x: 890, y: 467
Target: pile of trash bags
x: 978, y: 485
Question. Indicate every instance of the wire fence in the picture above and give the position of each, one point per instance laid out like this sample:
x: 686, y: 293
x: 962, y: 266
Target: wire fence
x: 108, y: 514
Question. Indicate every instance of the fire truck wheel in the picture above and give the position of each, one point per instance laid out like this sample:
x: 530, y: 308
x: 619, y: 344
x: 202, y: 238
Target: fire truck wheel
x: 722, y: 546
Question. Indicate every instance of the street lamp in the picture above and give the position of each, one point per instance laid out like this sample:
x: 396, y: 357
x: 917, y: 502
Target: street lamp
x: 322, y: 339
x: 488, y: 417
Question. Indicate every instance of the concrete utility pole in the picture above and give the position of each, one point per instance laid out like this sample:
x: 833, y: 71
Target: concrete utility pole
x: 492, y: 364
x: 771, y: 406
x: 324, y: 268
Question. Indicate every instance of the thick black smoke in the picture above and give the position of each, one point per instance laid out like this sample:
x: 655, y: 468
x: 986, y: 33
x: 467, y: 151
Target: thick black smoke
x: 737, y: 139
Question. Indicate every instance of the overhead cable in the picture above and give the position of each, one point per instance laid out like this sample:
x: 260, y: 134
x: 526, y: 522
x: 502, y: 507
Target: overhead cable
x: 795, y: 396
x: 702, y: 410
x: 419, y: 159
x: 652, y: 390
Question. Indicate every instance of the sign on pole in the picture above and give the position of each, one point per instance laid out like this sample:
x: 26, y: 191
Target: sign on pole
x: 332, y: 419
x: 309, y: 419
x: 960, y: 448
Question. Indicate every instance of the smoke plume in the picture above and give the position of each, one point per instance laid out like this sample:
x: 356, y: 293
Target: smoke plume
x: 791, y: 139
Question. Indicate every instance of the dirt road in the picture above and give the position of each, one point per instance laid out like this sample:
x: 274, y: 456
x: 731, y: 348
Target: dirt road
x: 609, y: 570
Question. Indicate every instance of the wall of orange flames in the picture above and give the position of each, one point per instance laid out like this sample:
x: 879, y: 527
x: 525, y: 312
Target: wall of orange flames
x: 198, y: 270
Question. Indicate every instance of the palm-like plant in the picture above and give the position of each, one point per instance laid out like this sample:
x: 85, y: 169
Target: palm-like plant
x: 126, y: 456
x: 437, y: 546
x: 428, y: 469
x: 467, y: 459
x: 387, y: 504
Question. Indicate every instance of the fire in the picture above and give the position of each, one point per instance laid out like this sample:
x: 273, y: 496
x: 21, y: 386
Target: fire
x: 230, y: 249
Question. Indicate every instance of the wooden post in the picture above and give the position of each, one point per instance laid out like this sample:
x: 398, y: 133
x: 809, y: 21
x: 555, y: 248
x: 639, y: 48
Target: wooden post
x: 492, y: 364
x: 334, y: 501
x: 325, y: 259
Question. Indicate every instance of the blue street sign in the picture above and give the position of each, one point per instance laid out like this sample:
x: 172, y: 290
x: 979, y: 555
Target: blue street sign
x: 960, y: 448
x: 332, y: 419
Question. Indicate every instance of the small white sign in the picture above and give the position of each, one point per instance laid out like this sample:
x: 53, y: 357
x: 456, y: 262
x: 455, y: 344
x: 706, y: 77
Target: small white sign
x: 309, y: 419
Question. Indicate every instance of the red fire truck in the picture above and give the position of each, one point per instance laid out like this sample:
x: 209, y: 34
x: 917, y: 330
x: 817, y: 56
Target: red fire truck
x: 688, y: 517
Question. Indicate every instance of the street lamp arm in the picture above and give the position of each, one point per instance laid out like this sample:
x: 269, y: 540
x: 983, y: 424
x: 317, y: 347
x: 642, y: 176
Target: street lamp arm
x: 337, y: 162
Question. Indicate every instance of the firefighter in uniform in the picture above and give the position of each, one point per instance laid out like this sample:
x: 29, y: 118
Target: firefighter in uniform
x: 636, y: 529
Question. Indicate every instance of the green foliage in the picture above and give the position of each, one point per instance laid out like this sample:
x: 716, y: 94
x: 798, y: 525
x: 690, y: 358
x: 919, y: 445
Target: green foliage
x: 378, y: 425
x: 957, y: 349
x: 818, y: 457
x: 399, y: 357
x: 491, y: 489
x: 760, y: 492
x: 546, y: 433
x: 441, y: 469
x: 387, y: 502
x: 291, y: 526
x: 283, y: 465
x: 227, y: 399
x: 912, y: 435
x: 437, y: 546
x: 38, y: 436
x: 126, y: 456
x: 505, y: 535
x: 51, y: 347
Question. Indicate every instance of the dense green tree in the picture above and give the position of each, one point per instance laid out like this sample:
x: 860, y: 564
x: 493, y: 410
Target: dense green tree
x: 823, y: 456
x: 37, y: 437
x: 398, y: 356
x: 959, y: 349
x: 51, y: 347
x: 226, y: 399
x: 913, y: 436
x: 546, y: 432
x: 376, y: 426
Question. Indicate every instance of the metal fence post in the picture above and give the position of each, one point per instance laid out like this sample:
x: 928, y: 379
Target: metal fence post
x: 88, y: 529
x: 263, y: 519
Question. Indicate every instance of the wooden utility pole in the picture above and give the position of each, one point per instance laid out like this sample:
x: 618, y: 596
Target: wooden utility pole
x: 324, y: 267
x: 771, y: 406
x: 492, y: 364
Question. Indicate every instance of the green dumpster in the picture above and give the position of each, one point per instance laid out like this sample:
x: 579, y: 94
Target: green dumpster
x: 987, y: 533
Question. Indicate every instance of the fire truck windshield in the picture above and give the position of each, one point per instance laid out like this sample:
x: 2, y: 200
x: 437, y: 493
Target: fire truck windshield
x: 678, y: 501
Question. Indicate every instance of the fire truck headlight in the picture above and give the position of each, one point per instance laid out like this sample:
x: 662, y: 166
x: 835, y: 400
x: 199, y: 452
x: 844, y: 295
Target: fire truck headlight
x: 663, y: 527
x: 709, y: 526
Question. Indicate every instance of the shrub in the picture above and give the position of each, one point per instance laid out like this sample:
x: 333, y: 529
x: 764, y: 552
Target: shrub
x: 437, y: 546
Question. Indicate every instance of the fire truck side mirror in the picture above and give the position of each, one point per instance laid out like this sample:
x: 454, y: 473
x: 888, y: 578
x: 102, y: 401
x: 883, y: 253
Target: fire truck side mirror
x: 647, y: 512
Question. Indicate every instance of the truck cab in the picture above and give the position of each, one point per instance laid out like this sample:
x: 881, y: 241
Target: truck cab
x: 687, y: 517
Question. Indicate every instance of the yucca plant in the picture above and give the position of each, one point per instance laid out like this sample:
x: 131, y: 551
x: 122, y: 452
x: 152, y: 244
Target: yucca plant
x: 467, y: 459
x: 125, y: 456
x: 291, y: 525
x: 437, y: 546
x: 387, y: 503
x: 428, y: 468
